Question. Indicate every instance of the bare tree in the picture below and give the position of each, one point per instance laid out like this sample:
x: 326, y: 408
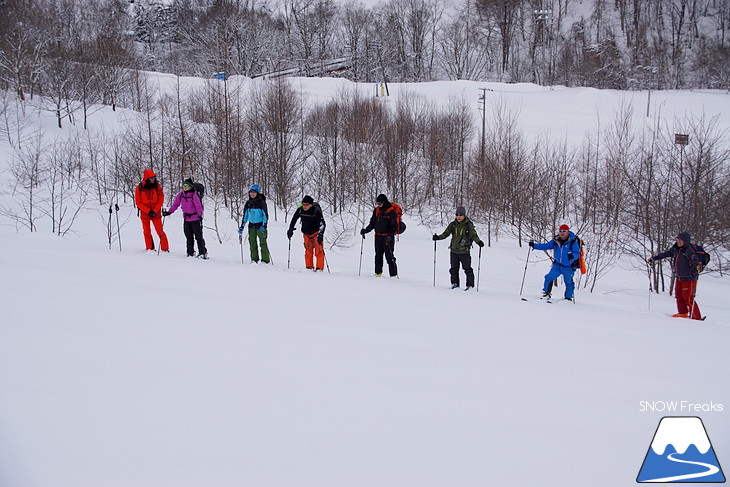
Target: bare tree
x: 276, y: 112
x: 28, y: 171
x: 66, y: 186
x: 504, y: 14
x: 463, y: 52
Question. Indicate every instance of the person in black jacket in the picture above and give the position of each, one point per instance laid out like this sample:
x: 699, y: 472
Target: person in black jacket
x: 687, y: 265
x: 313, y: 226
x: 385, y: 223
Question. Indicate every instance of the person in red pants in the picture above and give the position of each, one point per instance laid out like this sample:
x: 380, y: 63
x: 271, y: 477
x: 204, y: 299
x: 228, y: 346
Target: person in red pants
x: 687, y: 266
x: 148, y: 197
x: 313, y: 226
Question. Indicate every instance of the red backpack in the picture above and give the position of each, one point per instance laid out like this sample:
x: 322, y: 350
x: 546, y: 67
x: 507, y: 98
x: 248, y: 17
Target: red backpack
x: 401, y: 227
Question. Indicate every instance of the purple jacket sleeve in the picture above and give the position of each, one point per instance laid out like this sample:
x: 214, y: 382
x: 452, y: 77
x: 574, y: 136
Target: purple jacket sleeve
x: 176, y: 203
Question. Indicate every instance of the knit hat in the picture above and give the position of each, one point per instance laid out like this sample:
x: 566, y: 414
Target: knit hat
x: 256, y: 188
x: 564, y: 227
x: 381, y: 198
x: 189, y: 182
x: 307, y: 199
x: 460, y: 211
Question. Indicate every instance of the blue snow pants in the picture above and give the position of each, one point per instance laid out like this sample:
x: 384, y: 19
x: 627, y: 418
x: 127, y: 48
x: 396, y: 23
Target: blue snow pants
x: 555, y: 271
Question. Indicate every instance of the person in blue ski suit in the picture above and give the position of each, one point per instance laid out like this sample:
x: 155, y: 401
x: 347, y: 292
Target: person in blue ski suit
x: 256, y: 214
x: 566, y: 259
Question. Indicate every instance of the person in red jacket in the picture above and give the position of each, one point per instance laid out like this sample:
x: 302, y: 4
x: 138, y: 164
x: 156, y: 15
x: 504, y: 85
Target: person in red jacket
x: 148, y: 197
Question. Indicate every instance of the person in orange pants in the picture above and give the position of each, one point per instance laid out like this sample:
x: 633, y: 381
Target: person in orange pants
x: 313, y: 226
x: 148, y: 197
x: 687, y: 266
x: 313, y: 247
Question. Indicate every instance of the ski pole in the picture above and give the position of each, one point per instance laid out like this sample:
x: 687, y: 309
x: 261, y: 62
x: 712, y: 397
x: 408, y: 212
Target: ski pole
x: 271, y: 259
x: 648, y: 273
x: 525, y: 272
x: 288, y: 255
x: 479, y: 267
x: 240, y: 242
x: 160, y: 240
x: 119, y: 234
x: 109, y: 227
x: 362, y: 242
x: 434, y: 263
x: 325, y: 261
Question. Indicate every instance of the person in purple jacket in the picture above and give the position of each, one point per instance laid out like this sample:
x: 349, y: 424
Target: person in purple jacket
x: 192, y: 209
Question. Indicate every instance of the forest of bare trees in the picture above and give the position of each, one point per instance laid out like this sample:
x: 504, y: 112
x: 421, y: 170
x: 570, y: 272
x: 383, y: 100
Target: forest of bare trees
x: 626, y: 190
x: 75, y: 48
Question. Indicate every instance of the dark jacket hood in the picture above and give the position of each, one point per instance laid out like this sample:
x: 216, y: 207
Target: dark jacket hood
x: 686, y: 238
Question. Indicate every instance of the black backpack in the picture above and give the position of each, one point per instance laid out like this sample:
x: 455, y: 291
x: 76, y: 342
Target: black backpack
x: 200, y: 189
x: 702, y: 254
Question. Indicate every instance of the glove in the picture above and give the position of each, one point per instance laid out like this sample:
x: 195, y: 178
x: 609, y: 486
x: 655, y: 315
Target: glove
x: 435, y: 237
x: 320, y: 238
x: 262, y: 229
x: 649, y: 260
x: 240, y: 230
x: 480, y: 244
x: 166, y: 213
x: 290, y: 233
x: 699, y: 267
x: 531, y: 244
x: 151, y: 214
x: 200, y: 217
x: 574, y: 265
x: 388, y: 239
x: 363, y: 232
x: 570, y: 256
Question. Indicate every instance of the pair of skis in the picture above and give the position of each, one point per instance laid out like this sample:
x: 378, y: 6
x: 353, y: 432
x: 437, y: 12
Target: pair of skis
x: 549, y: 299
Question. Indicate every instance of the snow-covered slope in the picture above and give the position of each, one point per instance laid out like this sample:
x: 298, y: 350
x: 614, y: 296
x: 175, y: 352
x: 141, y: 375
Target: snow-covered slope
x: 129, y: 369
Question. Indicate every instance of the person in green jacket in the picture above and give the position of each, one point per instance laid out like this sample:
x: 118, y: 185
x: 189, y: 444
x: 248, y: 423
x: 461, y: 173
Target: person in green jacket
x: 462, y: 235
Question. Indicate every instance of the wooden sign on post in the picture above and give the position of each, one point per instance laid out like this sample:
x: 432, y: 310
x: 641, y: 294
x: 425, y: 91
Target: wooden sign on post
x: 681, y: 139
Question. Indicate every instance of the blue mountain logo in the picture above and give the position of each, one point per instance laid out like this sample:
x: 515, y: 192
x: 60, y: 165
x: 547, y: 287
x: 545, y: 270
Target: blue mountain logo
x: 681, y: 452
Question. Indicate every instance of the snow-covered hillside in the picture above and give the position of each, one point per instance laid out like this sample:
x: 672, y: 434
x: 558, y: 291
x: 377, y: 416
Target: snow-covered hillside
x: 129, y: 369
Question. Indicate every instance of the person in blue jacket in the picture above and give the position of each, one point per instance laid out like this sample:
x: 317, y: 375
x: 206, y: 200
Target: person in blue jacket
x: 566, y: 251
x: 257, y: 216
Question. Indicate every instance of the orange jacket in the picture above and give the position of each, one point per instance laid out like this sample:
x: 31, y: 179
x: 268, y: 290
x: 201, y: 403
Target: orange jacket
x: 149, y: 196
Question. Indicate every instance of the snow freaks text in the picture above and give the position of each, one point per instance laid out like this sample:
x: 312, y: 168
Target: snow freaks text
x: 680, y: 407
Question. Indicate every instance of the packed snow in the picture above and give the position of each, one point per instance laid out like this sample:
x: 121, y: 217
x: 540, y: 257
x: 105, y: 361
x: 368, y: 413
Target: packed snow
x: 133, y: 369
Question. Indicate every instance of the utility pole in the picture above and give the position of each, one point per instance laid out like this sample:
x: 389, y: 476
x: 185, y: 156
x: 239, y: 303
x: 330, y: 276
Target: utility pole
x: 482, y: 149
x: 483, y: 108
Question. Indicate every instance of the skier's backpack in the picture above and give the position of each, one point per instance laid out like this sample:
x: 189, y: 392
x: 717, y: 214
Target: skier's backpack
x: 200, y: 189
x: 704, y: 256
x: 400, y: 226
x: 581, y: 259
x: 318, y: 208
x: 398, y: 218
